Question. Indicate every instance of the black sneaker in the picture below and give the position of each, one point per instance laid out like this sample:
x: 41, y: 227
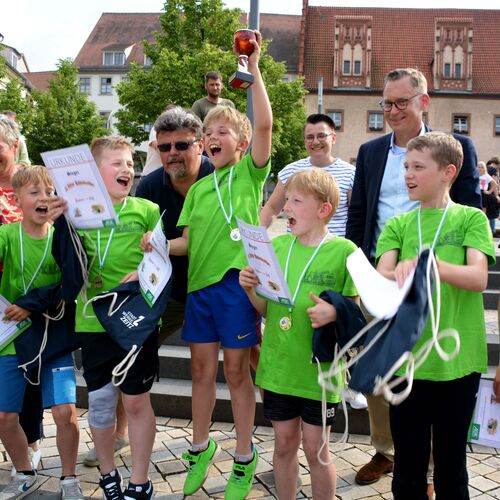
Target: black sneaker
x: 139, y: 491
x: 111, y: 485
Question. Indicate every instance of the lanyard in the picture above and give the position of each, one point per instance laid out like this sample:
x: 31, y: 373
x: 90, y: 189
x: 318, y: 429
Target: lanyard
x: 227, y: 216
x: 441, y: 222
x: 306, y: 266
x: 102, y: 259
x: 35, y: 274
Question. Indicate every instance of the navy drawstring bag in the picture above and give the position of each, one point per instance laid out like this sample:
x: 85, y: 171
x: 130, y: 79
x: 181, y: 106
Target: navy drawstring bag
x: 52, y: 330
x: 128, y: 319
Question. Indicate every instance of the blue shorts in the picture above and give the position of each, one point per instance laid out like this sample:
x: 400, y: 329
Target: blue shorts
x: 222, y: 313
x: 58, y: 383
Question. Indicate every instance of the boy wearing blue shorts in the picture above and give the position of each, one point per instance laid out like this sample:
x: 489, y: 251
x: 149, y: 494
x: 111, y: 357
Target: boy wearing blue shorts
x: 443, y: 395
x: 218, y: 313
x: 313, y: 261
x: 26, y: 253
x: 116, y: 255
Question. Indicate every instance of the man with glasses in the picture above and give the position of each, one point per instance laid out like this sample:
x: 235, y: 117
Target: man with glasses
x: 180, y: 145
x: 379, y: 193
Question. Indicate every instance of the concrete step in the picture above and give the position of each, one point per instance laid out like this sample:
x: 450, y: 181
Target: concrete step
x: 490, y: 298
x: 494, y: 280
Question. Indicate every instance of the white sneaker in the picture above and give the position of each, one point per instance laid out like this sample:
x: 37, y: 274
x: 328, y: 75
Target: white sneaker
x: 355, y: 399
x: 20, y: 486
x: 70, y: 489
x: 34, y: 458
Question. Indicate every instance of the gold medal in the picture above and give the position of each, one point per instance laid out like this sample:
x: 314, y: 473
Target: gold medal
x: 285, y: 323
x: 98, y: 281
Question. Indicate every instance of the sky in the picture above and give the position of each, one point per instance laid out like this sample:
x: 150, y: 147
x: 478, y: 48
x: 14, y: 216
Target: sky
x: 49, y: 30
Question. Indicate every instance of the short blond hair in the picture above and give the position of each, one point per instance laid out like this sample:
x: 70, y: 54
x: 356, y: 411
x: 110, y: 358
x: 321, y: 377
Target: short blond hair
x: 238, y: 121
x: 34, y: 174
x: 99, y: 144
x: 318, y: 183
x: 443, y: 148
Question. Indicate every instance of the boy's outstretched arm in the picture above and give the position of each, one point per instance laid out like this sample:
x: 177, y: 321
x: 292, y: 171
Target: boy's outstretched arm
x: 262, y: 112
x: 248, y: 281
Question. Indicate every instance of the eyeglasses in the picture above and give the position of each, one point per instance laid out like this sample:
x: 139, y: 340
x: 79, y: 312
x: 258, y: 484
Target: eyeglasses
x: 179, y: 146
x: 321, y: 136
x: 400, y: 104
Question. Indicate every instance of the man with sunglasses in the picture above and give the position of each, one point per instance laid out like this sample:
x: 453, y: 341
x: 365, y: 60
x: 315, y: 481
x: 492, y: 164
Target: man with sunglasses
x: 379, y: 193
x: 180, y: 146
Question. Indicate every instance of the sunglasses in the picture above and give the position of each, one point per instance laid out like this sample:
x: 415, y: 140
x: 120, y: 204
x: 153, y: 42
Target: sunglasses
x: 179, y: 146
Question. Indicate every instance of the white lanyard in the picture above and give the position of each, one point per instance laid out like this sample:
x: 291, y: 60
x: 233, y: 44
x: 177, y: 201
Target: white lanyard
x: 441, y: 222
x: 227, y: 216
x: 102, y: 259
x: 306, y: 266
x: 35, y: 274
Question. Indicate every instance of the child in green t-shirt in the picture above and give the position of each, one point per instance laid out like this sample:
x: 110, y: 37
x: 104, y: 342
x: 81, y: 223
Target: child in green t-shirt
x: 116, y: 254
x: 443, y: 394
x: 313, y: 261
x: 25, y: 251
x: 217, y: 311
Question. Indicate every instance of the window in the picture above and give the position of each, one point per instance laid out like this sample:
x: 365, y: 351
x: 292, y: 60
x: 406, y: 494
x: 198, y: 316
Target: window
x: 84, y: 85
x: 105, y: 118
x: 458, y: 70
x: 375, y: 121
x: 447, y: 70
x: 347, y: 68
x: 114, y: 58
x: 357, y: 68
x: 148, y: 62
x: 496, y: 125
x: 338, y: 119
x: 106, y: 88
x: 461, y: 124
x: 147, y: 127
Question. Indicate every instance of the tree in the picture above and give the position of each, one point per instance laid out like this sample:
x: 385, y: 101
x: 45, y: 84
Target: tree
x: 63, y: 117
x: 196, y: 36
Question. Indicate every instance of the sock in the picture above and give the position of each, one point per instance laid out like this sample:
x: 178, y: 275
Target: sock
x: 139, y: 487
x: 113, y: 473
x: 64, y: 477
x: 27, y: 472
x: 196, y: 448
x: 243, y: 459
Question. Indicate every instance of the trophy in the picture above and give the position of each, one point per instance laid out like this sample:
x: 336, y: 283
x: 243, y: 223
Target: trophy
x: 242, y: 79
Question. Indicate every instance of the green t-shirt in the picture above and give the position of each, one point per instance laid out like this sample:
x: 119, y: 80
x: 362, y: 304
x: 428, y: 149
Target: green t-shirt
x: 461, y: 309
x: 124, y: 254
x: 211, y: 250
x: 285, y: 365
x: 11, y: 286
x: 202, y: 106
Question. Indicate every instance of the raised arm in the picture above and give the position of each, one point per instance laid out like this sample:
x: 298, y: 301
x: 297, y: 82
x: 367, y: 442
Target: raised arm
x: 274, y: 205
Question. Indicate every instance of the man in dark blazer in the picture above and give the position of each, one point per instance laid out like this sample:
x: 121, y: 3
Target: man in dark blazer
x: 379, y: 192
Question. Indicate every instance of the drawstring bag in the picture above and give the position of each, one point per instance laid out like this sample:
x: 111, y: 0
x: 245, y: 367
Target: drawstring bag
x: 51, y: 333
x: 128, y: 319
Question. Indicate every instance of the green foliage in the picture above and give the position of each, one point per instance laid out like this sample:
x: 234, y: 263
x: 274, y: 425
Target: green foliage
x: 197, y: 36
x: 63, y: 117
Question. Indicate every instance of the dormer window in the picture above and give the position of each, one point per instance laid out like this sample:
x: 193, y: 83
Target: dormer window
x: 114, y: 58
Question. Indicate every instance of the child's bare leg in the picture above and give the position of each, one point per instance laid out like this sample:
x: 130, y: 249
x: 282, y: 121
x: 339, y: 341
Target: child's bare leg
x: 142, y: 430
x: 121, y: 421
x: 323, y: 477
x: 14, y: 440
x: 104, y: 441
x: 204, y: 364
x: 68, y: 434
x: 287, y: 437
x: 241, y: 388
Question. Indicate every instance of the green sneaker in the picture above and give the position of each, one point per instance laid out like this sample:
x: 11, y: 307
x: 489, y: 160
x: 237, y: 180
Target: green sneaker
x: 241, y: 479
x: 198, y: 467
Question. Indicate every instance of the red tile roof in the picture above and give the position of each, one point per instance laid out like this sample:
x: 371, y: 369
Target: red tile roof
x: 403, y: 38
x: 40, y: 79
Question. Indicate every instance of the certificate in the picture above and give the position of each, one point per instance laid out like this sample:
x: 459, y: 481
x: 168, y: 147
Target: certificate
x: 261, y: 257
x: 9, y: 330
x: 484, y: 428
x: 77, y: 179
x: 155, y: 269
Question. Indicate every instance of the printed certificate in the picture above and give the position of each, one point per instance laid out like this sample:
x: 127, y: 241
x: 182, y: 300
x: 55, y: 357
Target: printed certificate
x: 261, y: 257
x: 77, y: 179
x: 155, y: 268
x: 484, y: 428
x: 9, y: 330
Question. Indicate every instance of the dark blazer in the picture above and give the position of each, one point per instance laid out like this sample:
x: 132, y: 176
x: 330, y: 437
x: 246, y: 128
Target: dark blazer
x: 370, y: 167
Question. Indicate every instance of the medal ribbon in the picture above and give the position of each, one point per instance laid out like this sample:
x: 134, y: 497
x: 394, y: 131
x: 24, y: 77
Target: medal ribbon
x: 102, y: 259
x: 227, y: 216
x: 441, y: 222
x: 35, y: 274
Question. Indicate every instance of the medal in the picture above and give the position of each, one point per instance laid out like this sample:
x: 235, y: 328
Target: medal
x: 98, y: 281
x: 285, y: 323
x: 235, y: 234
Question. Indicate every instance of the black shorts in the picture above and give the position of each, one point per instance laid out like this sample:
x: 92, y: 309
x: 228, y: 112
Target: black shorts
x: 100, y: 354
x: 281, y: 407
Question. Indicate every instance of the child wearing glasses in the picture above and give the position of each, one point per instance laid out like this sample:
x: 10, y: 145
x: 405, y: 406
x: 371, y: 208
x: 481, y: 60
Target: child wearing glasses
x: 218, y: 312
x: 319, y: 138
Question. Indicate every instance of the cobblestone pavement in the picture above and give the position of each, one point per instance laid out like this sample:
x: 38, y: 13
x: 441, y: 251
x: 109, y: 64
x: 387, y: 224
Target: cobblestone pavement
x: 167, y: 471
